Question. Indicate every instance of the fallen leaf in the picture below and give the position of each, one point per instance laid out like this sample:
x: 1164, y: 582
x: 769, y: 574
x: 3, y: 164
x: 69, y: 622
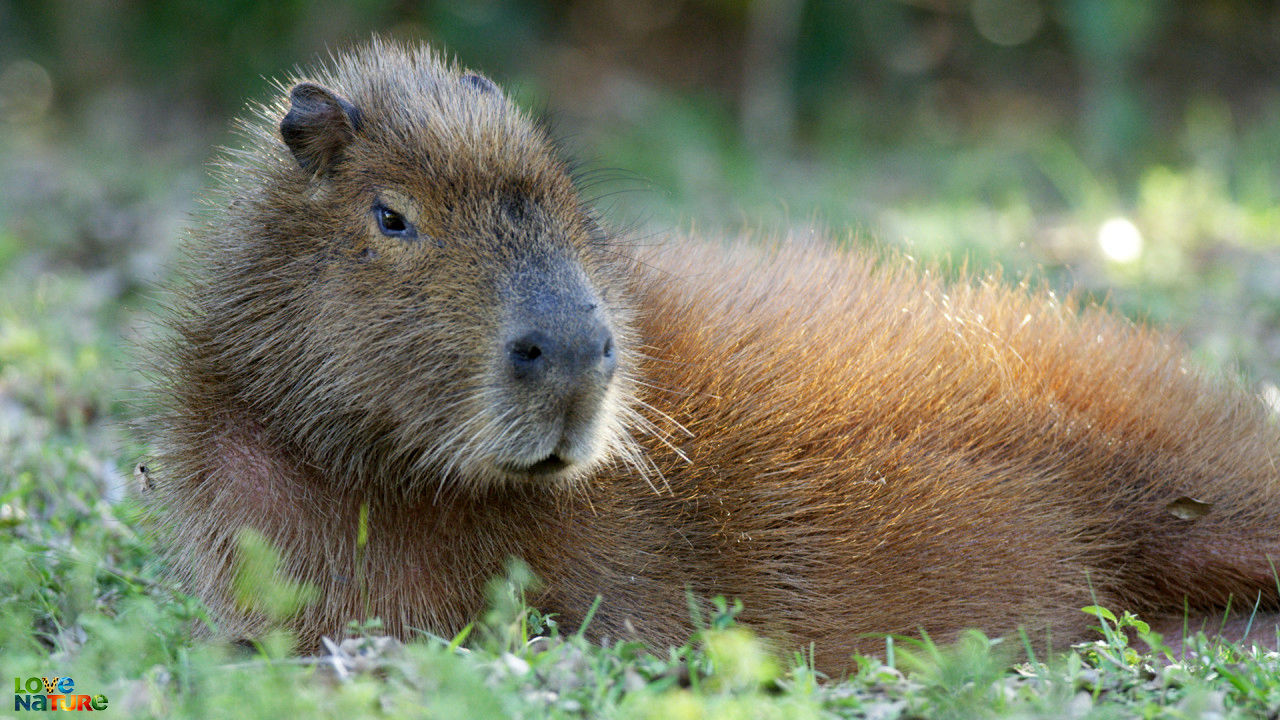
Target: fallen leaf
x: 1186, y: 508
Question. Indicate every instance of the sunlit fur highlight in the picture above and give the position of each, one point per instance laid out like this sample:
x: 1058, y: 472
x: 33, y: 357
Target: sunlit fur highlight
x: 851, y: 445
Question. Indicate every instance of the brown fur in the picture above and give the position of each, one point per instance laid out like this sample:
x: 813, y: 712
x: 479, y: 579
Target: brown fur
x: 850, y: 446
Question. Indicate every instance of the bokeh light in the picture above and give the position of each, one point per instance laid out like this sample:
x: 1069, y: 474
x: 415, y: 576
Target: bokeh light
x: 1120, y: 240
x: 26, y: 91
x: 1008, y: 22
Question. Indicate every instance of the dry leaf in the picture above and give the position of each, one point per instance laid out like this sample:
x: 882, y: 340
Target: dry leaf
x: 1185, y: 508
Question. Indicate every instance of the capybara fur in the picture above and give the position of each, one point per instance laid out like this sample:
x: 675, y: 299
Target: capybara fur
x: 400, y: 306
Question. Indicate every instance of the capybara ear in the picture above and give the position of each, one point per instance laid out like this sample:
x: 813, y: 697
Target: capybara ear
x: 318, y: 126
x: 481, y: 83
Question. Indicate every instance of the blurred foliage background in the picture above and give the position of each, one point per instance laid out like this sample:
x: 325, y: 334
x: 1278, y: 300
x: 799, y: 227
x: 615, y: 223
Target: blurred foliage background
x: 976, y: 132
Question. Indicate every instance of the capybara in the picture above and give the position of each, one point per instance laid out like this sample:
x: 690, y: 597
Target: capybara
x: 399, y: 306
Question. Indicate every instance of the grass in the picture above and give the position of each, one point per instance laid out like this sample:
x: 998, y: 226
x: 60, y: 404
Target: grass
x: 82, y: 594
x: 89, y: 609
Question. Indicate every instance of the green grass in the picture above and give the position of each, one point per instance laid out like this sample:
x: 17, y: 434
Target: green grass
x: 82, y: 593
x: 97, y: 616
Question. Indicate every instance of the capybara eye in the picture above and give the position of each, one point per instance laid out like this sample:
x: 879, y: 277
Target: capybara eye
x: 393, y: 224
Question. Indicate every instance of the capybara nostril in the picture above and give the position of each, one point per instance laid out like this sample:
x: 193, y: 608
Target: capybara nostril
x: 608, y: 356
x: 529, y: 355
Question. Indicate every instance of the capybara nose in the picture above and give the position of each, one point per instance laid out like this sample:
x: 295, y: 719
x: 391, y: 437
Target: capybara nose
x: 571, y: 355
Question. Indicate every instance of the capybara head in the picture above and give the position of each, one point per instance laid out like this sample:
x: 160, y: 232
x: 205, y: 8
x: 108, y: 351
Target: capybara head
x: 405, y: 278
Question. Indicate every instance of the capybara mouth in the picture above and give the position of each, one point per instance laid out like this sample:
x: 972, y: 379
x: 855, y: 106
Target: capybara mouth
x: 550, y: 465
